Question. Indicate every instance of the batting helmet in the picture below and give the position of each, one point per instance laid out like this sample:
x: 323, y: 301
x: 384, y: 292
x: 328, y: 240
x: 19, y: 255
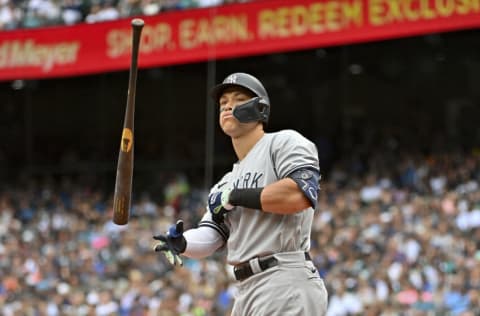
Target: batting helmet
x: 258, y: 109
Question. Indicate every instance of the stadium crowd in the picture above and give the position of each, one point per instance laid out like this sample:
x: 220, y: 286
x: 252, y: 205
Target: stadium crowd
x: 394, y: 234
x: 16, y: 14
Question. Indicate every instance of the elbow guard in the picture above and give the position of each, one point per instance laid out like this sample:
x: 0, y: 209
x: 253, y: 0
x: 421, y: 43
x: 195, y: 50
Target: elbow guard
x: 308, y: 182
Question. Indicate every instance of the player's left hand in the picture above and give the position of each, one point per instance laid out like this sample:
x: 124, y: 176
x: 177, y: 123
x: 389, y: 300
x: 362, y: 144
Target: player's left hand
x: 172, y: 244
x: 218, y: 205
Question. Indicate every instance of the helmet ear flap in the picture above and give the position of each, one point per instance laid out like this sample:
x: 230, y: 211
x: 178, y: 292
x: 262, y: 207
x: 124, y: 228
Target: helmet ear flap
x: 250, y: 111
x: 265, y: 110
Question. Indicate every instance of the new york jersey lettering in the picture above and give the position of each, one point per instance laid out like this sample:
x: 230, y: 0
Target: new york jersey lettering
x: 249, y: 180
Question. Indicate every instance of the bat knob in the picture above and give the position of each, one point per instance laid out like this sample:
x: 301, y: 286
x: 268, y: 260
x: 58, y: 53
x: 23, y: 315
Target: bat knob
x: 137, y: 22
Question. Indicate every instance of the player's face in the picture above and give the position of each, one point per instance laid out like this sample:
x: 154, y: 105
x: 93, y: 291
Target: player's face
x: 230, y: 98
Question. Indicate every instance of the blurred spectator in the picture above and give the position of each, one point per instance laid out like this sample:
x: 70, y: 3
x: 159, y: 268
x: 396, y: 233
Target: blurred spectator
x: 42, y: 12
x: 71, y: 11
x: 209, y: 3
x: 344, y: 302
x: 136, y: 7
x: 102, y: 10
x: 150, y: 7
x: 10, y: 15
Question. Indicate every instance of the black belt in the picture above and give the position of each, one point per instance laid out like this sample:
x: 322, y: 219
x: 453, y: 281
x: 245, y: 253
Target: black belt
x: 244, y: 270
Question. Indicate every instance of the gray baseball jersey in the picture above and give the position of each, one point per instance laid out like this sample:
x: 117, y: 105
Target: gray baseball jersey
x: 250, y: 233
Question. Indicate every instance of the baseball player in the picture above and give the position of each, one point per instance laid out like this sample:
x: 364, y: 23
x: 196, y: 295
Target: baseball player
x: 261, y: 210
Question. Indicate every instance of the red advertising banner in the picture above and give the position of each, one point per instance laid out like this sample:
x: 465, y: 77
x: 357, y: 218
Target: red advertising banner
x: 257, y: 27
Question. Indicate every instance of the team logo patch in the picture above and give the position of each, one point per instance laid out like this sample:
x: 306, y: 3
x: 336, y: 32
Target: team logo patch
x: 231, y: 79
x: 306, y: 174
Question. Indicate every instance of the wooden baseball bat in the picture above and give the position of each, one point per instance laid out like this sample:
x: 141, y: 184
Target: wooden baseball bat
x: 123, y: 183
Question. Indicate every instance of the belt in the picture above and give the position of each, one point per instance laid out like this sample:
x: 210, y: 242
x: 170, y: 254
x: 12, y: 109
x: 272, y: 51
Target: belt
x: 245, y: 270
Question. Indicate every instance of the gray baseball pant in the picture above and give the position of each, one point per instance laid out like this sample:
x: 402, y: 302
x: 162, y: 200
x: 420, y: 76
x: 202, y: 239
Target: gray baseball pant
x: 293, y: 287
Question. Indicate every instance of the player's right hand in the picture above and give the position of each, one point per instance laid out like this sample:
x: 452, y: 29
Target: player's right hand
x: 172, y: 244
x: 218, y: 205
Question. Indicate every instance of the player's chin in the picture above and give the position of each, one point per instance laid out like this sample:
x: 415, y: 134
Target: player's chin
x: 228, y: 124
x: 231, y: 130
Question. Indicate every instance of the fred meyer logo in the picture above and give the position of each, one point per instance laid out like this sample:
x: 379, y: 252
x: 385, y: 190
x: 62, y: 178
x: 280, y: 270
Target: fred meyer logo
x: 28, y: 53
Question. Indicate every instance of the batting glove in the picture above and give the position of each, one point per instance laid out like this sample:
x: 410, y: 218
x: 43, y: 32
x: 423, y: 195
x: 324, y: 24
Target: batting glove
x: 172, y: 244
x: 218, y: 205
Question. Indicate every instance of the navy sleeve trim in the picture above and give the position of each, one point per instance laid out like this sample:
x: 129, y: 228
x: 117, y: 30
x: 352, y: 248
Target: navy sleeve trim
x: 216, y: 227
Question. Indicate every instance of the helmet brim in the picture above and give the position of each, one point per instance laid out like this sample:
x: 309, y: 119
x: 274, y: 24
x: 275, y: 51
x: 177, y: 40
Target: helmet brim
x: 218, y: 90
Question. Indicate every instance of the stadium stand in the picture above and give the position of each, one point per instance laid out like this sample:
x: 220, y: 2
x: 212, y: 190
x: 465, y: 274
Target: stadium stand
x: 401, y: 239
x: 15, y: 14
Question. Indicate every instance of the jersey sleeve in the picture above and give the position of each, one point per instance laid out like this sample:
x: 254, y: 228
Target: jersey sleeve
x: 202, y: 242
x: 207, y: 221
x: 291, y: 151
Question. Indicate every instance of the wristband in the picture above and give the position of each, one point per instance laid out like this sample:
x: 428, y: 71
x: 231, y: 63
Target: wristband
x: 247, y: 198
